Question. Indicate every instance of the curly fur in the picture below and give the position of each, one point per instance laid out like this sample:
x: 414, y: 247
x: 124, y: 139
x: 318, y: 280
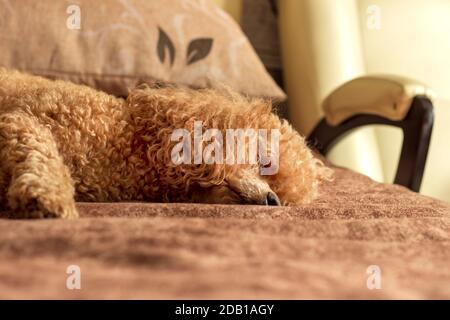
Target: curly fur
x: 61, y: 142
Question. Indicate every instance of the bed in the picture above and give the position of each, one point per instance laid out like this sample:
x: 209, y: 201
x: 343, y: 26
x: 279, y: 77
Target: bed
x: 182, y: 251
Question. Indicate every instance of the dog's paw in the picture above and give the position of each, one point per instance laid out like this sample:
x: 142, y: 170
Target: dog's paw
x: 40, y: 208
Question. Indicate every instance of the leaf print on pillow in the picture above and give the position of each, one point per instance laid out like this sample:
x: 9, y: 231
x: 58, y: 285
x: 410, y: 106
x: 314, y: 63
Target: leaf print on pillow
x: 164, y: 43
x: 198, y: 49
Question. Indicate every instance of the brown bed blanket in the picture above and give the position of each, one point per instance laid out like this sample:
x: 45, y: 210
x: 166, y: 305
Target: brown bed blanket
x: 321, y: 250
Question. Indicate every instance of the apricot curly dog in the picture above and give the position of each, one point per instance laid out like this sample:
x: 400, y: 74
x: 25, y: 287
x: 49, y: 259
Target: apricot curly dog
x: 61, y: 143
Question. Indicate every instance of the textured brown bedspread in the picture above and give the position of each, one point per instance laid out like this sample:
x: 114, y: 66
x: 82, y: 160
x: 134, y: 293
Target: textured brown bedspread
x: 320, y: 250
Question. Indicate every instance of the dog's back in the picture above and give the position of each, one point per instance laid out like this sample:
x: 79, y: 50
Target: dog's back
x: 13, y: 82
x: 58, y: 104
x: 85, y: 124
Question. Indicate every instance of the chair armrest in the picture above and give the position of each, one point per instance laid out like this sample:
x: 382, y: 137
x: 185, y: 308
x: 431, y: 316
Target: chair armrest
x: 386, y: 96
x: 391, y: 101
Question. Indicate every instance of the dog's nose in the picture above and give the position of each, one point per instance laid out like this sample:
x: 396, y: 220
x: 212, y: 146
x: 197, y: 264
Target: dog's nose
x: 272, y: 199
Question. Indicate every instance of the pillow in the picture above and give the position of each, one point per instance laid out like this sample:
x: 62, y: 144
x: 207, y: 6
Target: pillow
x: 113, y: 45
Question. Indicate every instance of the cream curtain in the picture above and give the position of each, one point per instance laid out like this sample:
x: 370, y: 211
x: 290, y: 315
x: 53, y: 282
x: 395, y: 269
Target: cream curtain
x: 321, y: 47
x: 413, y: 41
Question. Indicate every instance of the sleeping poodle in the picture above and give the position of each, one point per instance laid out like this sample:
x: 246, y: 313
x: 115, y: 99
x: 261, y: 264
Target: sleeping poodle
x: 61, y: 143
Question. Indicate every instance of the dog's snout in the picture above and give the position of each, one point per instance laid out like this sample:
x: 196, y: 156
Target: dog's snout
x: 272, y: 199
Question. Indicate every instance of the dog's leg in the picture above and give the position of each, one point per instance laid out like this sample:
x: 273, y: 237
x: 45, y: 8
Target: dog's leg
x: 35, y: 179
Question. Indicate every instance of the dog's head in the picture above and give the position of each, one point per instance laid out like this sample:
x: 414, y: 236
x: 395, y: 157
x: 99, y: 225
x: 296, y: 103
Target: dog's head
x: 159, y: 113
x: 244, y: 186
